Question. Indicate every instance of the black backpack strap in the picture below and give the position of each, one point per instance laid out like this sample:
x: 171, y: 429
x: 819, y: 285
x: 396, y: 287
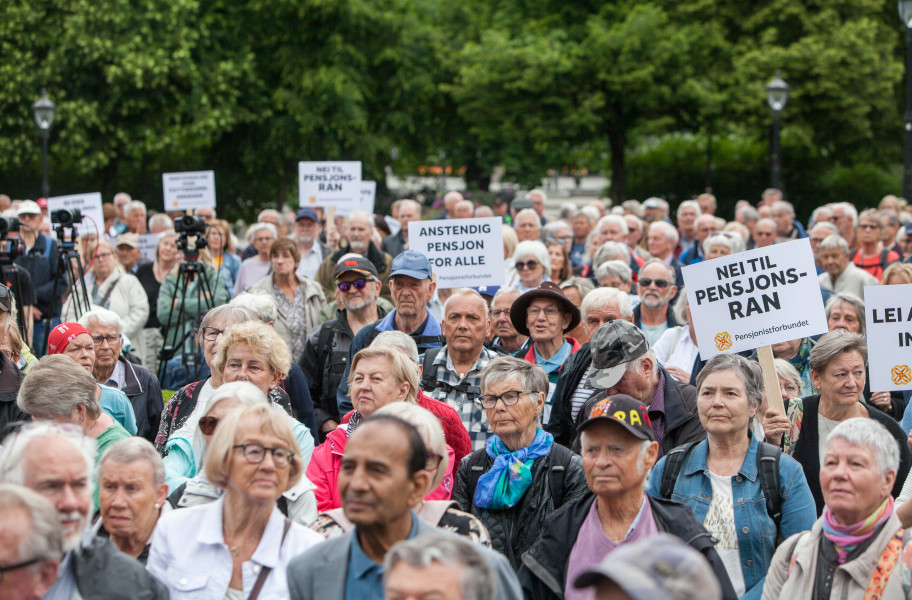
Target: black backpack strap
x: 175, y: 495
x: 476, y: 465
x: 768, y: 472
x: 558, y: 462
x: 326, y: 334
x: 282, y: 505
x: 429, y: 370
x: 674, y: 460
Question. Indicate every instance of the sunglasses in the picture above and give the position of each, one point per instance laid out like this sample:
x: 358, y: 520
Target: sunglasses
x: 529, y: 264
x: 659, y: 283
x: 358, y: 284
x: 207, y: 425
x: 5, y: 298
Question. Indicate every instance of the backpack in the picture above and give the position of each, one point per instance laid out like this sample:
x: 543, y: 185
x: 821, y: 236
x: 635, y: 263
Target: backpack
x: 767, y: 471
x: 430, y: 382
x: 558, y: 462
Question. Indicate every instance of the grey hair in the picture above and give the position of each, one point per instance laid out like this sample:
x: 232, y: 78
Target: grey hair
x: 399, y: 340
x: 243, y: 391
x: 257, y: 227
x: 535, y: 249
x: 528, y: 212
x: 618, y: 268
x: 259, y: 303
x: 616, y: 219
x: 162, y: 219
x: 44, y: 540
x: 582, y: 285
x: 504, y: 291
x: 846, y: 298
x: 466, y: 292
x: 239, y: 314
x: 503, y: 368
x: 134, y: 205
x: 55, y: 387
x: 680, y: 307
x: 672, y: 275
x: 599, y: 298
x: 270, y: 211
x: 834, y: 241
x: 551, y: 230
x: 832, y: 344
x: 746, y: 369
x: 783, y: 205
x: 12, y: 457
x: 478, y: 581
x: 815, y: 214
x: 787, y: 370
x: 688, y: 204
x: 828, y: 226
x: 868, y: 433
x: 749, y: 212
x: 636, y: 363
x: 734, y: 243
x: 592, y: 213
x: 104, y: 317
x: 430, y: 430
x: 671, y: 234
x: 849, y: 210
x: 611, y: 250
x: 132, y: 450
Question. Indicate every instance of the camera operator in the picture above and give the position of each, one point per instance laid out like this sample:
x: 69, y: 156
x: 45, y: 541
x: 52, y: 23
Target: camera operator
x: 39, y: 257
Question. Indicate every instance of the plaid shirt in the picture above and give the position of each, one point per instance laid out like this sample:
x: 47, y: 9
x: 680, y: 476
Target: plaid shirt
x: 470, y: 412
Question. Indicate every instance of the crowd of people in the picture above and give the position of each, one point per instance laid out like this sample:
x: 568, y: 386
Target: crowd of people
x: 303, y: 413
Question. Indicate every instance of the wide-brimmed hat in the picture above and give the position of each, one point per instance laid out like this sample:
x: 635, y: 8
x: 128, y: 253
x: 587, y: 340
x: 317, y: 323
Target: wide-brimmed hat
x: 546, y: 289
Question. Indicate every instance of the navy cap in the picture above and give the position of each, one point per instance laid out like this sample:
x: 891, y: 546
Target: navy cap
x: 412, y: 264
x: 307, y: 213
x: 487, y: 290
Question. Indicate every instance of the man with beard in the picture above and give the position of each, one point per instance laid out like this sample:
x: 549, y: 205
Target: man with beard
x: 326, y: 351
x: 360, y: 234
x: 656, y: 287
x: 57, y: 464
x: 313, y: 251
x: 505, y: 335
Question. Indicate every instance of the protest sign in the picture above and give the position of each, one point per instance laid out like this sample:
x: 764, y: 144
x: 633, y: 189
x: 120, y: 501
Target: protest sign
x: 888, y: 317
x: 189, y: 191
x: 328, y: 184
x: 755, y: 298
x: 147, y: 244
x: 368, y: 197
x: 88, y: 204
x: 463, y: 252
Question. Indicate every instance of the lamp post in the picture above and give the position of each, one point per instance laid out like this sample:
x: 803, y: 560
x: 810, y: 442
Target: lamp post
x: 44, y: 110
x: 777, y: 91
x: 905, y: 13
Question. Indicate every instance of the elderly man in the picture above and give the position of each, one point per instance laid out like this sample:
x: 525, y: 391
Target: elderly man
x: 464, y: 209
x: 657, y: 289
x: 889, y: 228
x: 326, y: 352
x: 704, y: 226
x: 505, y: 335
x: 686, y: 217
x: 307, y: 234
x: 539, y: 199
x: 396, y: 244
x: 841, y: 275
x: 845, y: 217
x: 581, y: 222
x: 619, y: 448
x: 747, y: 216
x: 787, y: 227
x: 135, y: 212
x: 450, y: 199
x: 360, y: 241
x: 545, y: 314
x: 614, y: 228
x: 438, y: 566
x: 707, y: 203
x: 600, y: 306
x: 58, y: 464
x: 819, y: 232
x: 452, y: 374
x: 31, y: 543
x: 128, y: 254
x: 765, y: 233
x: 660, y: 242
x: 113, y: 370
x: 267, y: 215
x: 527, y: 225
x: 383, y: 474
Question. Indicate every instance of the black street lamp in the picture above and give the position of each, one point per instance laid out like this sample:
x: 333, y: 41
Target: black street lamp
x: 44, y: 110
x: 905, y: 13
x: 777, y: 92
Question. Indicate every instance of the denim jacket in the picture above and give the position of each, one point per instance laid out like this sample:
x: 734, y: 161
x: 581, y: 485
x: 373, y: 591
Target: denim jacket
x: 755, y: 528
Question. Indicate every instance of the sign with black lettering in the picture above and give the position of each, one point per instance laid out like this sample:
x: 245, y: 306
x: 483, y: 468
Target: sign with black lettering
x: 463, y: 252
x: 328, y: 184
x: 90, y: 206
x: 189, y: 191
x: 888, y: 316
x: 148, y: 242
x: 755, y: 298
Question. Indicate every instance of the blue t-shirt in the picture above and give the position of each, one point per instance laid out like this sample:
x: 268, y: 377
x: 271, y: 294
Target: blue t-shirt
x: 365, y: 577
x: 116, y: 404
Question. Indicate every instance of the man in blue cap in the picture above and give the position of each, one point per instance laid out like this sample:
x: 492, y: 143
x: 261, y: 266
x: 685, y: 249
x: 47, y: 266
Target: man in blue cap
x: 307, y: 235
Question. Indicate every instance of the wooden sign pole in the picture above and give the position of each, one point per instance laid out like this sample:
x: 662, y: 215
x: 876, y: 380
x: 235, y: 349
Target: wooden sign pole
x: 770, y: 379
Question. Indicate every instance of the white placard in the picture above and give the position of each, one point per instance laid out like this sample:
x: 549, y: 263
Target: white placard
x: 755, y: 298
x: 368, y: 196
x: 463, y: 252
x: 888, y: 316
x: 89, y: 204
x: 330, y: 184
x: 147, y: 244
x: 189, y: 191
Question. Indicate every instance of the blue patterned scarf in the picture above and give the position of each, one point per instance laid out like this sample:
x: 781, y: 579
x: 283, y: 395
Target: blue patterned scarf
x: 504, y: 485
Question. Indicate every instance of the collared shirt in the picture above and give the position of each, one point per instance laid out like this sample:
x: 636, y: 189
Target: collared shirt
x: 554, y: 363
x: 657, y: 414
x: 365, y: 577
x: 118, y: 378
x: 470, y: 412
x: 65, y: 585
x: 310, y: 262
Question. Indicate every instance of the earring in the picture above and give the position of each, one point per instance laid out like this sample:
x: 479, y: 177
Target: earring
x: 157, y: 506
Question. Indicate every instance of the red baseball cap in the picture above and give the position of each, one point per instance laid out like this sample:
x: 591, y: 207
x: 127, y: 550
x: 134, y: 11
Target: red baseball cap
x: 61, y: 336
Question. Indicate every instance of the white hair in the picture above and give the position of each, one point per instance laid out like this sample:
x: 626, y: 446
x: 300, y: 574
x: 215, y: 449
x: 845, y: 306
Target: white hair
x: 104, y: 317
x: 617, y: 220
x: 12, y: 457
x: 399, y: 340
x: 261, y: 304
x: 671, y: 234
x: 868, y: 433
x: 599, y: 298
x: 688, y: 204
x: 134, y: 205
x: 257, y: 227
x: 535, y: 249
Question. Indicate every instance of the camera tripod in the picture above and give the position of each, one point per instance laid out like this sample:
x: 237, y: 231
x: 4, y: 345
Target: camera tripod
x: 69, y: 266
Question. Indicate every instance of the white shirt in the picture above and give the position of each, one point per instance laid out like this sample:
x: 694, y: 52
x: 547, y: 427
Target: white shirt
x: 676, y: 348
x: 310, y: 262
x: 720, y: 521
x: 190, y: 557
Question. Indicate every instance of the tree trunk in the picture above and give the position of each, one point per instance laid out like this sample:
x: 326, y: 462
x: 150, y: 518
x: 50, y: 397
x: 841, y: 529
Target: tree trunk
x: 475, y: 176
x: 616, y: 141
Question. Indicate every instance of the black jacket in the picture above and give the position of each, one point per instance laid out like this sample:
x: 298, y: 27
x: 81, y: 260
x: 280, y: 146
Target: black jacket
x: 142, y: 388
x: 543, y: 574
x: 10, y: 379
x: 561, y: 424
x: 513, y: 531
x: 394, y: 245
x: 102, y: 571
x: 42, y: 269
x: 807, y: 452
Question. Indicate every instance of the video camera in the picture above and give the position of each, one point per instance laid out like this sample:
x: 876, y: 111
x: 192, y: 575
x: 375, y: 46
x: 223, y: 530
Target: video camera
x: 8, y: 224
x: 191, y: 226
x: 66, y: 217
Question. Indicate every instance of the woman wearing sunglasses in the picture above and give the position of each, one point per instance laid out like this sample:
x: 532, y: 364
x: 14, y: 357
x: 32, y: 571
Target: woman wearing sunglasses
x: 238, y: 546
x: 532, y: 264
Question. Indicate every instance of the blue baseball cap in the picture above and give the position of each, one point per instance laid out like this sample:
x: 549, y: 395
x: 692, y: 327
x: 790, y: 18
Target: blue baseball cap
x: 487, y: 290
x: 307, y: 213
x: 412, y: 264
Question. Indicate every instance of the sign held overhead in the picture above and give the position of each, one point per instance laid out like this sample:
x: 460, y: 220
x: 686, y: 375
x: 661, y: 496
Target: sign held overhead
x: 90, y: 206
x: 328, y: 184
x: 189, y: 190
x: 888, y: 316
x: 463, y: 252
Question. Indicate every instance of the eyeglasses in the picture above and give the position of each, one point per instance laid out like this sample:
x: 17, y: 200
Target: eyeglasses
x: 210, y: 334
x: 550, y: 311
x: 103, y: 255
x: 255, y: 453
x: 207, y: 425
x: 659, y: 283
x: 868, y: 226
x: 497, y: 313
x: 433, y: 462
x: 529, y: 264
x: 358, y: 284
x: 564, y: 238
x: 5, y: 298
x: 21, y: 565
x: 263, y: 239
x: 110, y: 339
x: 509, y: 398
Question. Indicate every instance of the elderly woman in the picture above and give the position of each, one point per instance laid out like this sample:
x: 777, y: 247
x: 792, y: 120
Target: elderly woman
x: 545, y: 314
x: 240, y: 542
x: 221, y: 246
x: 185, y: 457
x: 720, y: 477
x: 443, y: 513
x: 838, y: 370
x: 109, y: 287
x: 871, y: 255
x: 297, y: 298
x: 853, y: 550
x: 576, y: 289
x: 151, y: 275
x: 261, y: 236
x: 132, y: 493
x: 511, y: 484
x: 897, y: 274
x: 798, y: 354
x: 789, y: 379
x: 676, y: 349
x: 379, y: 375
x: 532, y: 264
x: 722, y: 244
